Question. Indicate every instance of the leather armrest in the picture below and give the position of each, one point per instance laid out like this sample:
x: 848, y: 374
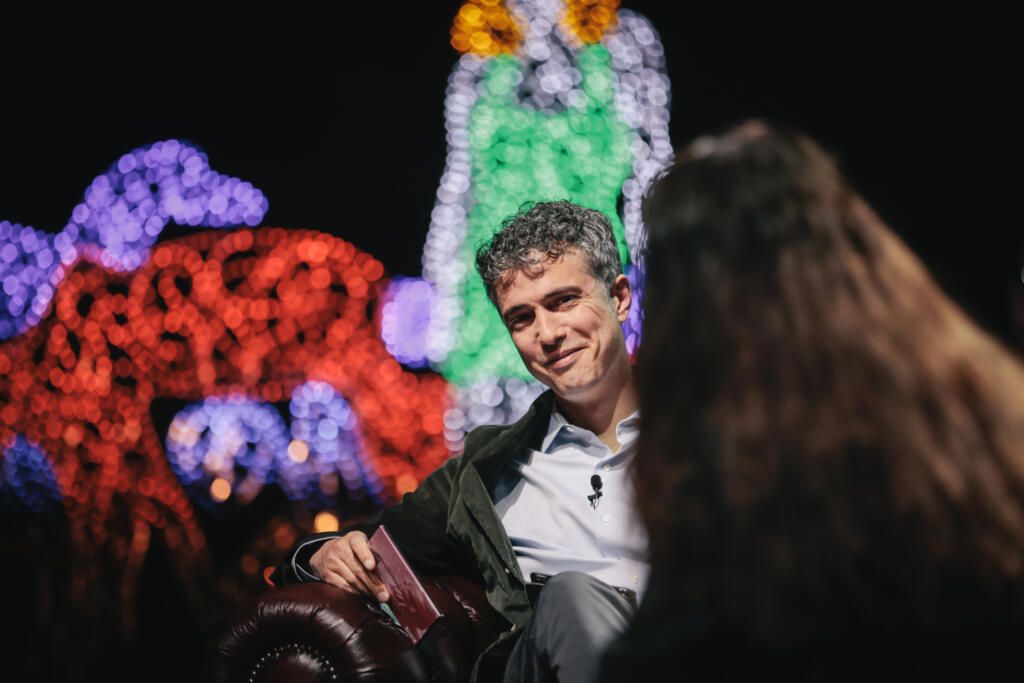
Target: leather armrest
x: 316, y: 632
x: 313, y: 632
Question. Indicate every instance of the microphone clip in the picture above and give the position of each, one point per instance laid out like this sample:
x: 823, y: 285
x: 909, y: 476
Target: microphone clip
x: 595, y: 497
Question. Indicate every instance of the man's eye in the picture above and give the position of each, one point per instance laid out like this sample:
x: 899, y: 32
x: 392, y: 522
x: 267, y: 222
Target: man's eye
x: 568, y: 298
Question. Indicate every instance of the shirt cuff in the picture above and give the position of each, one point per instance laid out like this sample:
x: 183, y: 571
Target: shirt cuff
x: 300, y: 559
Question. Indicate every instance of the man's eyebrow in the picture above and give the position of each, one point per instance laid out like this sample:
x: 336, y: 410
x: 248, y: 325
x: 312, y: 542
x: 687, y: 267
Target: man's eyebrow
x: 562, y: 290
x: 512, y: 311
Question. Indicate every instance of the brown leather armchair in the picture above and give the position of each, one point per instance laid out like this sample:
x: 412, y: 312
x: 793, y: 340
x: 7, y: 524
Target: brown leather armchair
x: 316, y: 632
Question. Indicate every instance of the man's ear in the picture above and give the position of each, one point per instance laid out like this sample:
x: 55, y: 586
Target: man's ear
x: 622, y: 297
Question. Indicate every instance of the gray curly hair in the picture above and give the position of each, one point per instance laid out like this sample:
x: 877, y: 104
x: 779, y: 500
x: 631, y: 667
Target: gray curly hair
x: 544, y: 231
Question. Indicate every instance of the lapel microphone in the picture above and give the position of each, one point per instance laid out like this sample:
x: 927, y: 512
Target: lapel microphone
x: 595, y: 483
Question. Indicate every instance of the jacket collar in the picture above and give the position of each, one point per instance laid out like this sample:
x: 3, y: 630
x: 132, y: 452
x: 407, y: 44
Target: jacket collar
x: 499, y: 445
x: 526, y: 433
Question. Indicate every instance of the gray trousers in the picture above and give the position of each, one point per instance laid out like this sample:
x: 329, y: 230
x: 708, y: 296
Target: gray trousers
x: 575, y: 618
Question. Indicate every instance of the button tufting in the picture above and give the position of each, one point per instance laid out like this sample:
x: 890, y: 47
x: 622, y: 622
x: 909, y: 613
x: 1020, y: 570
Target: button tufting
x: 283, y: 650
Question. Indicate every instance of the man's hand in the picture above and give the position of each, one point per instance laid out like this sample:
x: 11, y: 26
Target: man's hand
x: 347, y: 563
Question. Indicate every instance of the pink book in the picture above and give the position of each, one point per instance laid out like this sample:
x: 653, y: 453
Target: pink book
x: 409, y: 600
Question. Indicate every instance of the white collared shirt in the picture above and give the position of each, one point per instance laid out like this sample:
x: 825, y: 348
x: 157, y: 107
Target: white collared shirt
x: 542, y: 499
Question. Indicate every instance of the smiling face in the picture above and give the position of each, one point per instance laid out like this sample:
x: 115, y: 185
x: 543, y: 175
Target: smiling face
x: 567, y: 327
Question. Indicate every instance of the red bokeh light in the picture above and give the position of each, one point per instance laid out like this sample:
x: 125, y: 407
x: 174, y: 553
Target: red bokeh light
x: 256, y: 312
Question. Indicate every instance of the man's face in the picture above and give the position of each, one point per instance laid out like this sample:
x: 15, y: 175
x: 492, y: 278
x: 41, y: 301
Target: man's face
x: 566, y: 327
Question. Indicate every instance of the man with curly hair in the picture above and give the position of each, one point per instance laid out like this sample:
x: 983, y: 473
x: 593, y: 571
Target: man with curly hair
x: 540, y: 512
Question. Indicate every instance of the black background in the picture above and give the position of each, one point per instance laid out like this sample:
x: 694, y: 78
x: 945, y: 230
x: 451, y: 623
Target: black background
x: 336, y: 113
x: 339, y: 119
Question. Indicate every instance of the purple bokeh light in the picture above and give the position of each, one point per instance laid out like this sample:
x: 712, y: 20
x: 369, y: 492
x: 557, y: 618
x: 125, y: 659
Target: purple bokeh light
x: 232, y: 438
x: 328, y: 431
x: 26, y: 477
x: 122, y: 213
x: 125, y: 208
x: 246, y: 443
x: 408, y: 303
x: 31, y: 266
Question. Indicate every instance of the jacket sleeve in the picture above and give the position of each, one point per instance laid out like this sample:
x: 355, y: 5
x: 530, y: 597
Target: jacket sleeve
x: 417, y: 524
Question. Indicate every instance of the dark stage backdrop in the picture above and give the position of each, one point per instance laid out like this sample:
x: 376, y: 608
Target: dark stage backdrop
x: 339, y: 121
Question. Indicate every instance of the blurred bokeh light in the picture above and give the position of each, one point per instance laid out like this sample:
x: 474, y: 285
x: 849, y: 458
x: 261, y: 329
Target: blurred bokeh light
x: 550, y: 100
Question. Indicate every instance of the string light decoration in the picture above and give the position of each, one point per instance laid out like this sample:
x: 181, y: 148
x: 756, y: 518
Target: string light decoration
x: 26, y: 480
x: 406, y: 307
x: 577, y: 109
x: 253, y: 313
x: 224, y: 447
x: 31, y: 265
x: 126, y: 208
x: 100, y: 320
x: 485, y: 27
x: 122, y: 214
x: 233, y: 446
x: 326, y: 454
x: 493, y: 401
x: 589, y: 21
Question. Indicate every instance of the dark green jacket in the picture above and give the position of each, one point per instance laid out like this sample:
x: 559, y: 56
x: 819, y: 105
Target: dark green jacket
x: 448, y: 525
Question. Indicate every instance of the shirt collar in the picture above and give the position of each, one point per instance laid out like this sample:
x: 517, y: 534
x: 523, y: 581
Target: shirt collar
x: 625, y: 430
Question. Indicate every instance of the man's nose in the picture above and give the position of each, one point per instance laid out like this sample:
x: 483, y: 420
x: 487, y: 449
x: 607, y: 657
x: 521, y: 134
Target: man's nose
x: 549, y: 329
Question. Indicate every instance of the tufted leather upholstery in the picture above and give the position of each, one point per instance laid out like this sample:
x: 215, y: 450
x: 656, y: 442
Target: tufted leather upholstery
x: 317, y: 633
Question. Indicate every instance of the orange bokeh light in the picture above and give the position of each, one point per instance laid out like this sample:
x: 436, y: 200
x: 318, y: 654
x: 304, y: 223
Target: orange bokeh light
x: 298, y: 451
x: 589, y: 20
x: 220, y: 489
x: 486, y: 28
x: 325, y: 521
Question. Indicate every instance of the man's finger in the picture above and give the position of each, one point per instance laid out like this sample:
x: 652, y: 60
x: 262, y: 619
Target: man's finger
x: 378, y: 588
x: 337, y: 580
x: 354, y: 580
x: 351, y: 561
x: 372, y: 583
x: 361, y: 549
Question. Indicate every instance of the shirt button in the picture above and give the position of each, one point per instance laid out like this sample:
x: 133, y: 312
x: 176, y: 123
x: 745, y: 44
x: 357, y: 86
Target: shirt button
x: 607, y: 468
x: 507, y: 571
x: 606, y: 519
x: 636, y: 579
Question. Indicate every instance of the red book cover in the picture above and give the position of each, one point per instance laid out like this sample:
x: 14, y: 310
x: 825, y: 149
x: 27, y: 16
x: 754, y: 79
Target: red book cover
x: 409, y: 600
